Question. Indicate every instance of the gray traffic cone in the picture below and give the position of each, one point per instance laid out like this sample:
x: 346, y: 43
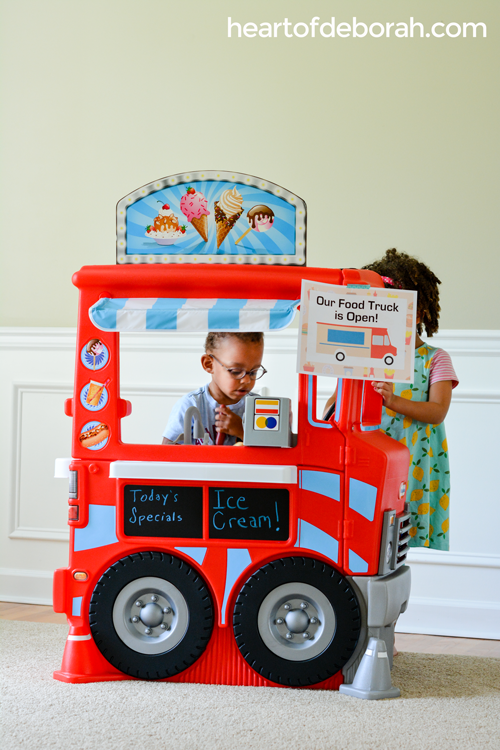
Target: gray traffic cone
x: 373, y: 677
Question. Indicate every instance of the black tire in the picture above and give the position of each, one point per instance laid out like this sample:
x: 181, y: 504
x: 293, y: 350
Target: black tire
x: 302, y: 660
x: 340, y: 356
x: 166, y: 597
x: 388, y: 359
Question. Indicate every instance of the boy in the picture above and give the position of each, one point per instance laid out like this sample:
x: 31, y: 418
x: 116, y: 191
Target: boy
x: 234, y: 362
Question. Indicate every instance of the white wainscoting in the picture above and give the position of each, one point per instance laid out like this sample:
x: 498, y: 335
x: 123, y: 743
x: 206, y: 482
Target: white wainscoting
x: 453, y: 593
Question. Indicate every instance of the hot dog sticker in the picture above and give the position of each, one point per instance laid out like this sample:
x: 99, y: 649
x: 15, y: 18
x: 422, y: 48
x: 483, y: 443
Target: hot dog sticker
x: 94, y: 435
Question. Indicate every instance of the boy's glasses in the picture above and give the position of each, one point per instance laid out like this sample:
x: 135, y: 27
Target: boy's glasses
x: 238, y: 374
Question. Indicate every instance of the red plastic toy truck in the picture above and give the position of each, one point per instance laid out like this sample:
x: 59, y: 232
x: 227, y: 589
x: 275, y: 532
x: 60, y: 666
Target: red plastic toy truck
x: 249, y: 565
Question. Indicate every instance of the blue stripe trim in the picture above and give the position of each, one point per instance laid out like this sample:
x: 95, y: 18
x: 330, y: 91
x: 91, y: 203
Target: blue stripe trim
x: 310, y: 419
x: 321, y: 482
x: 310, y: 537
x: 363, y: 427
x: 225, y: 314
x: 362, y: 498
x: 197, y: 553
x: 237, y: 561
x: 100, y: 530
x: 103, y: 313
x: 282, y: 314
x: 163, y: 314
x: 339, y: 398
x: 356, y: 563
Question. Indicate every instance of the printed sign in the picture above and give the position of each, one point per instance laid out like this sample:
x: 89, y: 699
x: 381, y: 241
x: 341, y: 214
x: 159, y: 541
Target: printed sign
x: 211, y: 217
x: 163, y: 510
x: 248, y: 513
x: 357, y: 332
x: 266, y: 414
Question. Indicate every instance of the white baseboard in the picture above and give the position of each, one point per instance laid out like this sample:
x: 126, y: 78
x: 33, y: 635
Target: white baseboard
x: 451, y: 617
x: 26, y: 586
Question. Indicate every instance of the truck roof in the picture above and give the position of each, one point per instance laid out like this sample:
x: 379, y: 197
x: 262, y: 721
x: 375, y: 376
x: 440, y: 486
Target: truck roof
x: 204, y: 280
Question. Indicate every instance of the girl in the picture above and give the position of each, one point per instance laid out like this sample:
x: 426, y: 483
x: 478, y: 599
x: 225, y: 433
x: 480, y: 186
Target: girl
x: 415, y: 415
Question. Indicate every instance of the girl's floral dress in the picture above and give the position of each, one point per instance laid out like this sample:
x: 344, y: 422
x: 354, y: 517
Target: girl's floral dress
x: 429, y: 475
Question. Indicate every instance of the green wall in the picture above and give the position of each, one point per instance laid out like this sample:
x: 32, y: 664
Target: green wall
x: 391, y: 142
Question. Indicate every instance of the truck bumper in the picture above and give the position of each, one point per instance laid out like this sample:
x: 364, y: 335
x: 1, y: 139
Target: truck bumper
x: 382, y: 599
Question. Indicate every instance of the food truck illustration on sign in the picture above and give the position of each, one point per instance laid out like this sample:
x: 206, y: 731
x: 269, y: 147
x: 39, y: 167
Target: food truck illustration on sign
x: 272, y: 563
x: 347, y: 341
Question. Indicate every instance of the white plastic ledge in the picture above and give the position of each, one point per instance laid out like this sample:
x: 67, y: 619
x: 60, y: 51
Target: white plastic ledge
x: 203, y: 472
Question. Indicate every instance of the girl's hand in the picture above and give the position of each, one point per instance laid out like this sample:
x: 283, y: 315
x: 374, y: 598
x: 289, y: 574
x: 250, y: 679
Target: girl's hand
x: 228, y: 422
x: 432, y: 411
x: 386, y: 390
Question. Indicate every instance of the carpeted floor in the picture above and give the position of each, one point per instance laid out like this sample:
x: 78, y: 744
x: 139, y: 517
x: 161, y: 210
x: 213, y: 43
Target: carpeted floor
x: 447, y: 702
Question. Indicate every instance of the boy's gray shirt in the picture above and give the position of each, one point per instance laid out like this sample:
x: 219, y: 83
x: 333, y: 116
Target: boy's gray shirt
x: 206, y: 405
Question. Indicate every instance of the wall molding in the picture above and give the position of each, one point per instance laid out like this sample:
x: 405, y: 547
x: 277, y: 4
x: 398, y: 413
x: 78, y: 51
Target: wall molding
x: 456, y: 342
x: 16, y: 529
x: 31, y: 545
x: 457, y: 559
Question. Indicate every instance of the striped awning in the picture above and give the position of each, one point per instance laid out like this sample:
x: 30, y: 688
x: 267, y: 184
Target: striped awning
x: 192, y: 314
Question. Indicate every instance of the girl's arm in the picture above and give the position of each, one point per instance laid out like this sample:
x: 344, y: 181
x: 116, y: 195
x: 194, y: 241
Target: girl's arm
x: 432, y: 411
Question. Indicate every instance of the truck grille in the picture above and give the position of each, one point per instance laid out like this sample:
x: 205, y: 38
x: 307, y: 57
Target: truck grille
x: 395, y: 541
x: 403, y: 538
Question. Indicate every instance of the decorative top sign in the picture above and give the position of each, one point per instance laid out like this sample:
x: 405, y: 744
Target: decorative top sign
x: 357, y: 332
x: 211, y: 217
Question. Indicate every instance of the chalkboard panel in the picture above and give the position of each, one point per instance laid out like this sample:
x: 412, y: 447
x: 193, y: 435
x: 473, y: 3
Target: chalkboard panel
x: 163, y: 510
x: 248, y: 513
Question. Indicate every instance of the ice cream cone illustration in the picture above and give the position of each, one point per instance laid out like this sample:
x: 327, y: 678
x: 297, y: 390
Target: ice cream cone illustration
x: 228, y: 210
x: 194, y: 208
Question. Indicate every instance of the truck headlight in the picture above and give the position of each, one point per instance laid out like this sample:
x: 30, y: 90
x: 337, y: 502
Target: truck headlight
x: 388, y: 553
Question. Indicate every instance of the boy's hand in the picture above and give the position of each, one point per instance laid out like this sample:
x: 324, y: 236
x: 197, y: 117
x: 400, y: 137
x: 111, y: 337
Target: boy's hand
x: 228, y: 422
x: 386, y: 390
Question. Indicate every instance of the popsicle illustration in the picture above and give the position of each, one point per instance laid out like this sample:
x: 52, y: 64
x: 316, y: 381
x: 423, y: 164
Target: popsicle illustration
x: 194, y: 208
x: 260, y: 218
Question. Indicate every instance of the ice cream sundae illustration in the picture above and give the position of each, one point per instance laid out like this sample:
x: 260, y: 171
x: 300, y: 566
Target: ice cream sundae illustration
x: 194, y: 208
x: 228, y: 210
x: 260, y: 218
x: 165, y: 229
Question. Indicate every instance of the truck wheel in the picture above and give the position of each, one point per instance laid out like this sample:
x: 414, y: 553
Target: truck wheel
x: 340, y: 356
x: 151, y: 615
x: 388, y: 359
x: 297, y: 621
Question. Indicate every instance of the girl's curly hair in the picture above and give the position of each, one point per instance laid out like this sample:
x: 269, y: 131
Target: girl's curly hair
x: 214, y: 338
x: 409, y: 273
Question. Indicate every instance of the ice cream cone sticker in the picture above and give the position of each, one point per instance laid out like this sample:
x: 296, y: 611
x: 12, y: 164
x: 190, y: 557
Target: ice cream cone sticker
x: 260, y: 218
x: 194, y: 208
x: 228, y: 210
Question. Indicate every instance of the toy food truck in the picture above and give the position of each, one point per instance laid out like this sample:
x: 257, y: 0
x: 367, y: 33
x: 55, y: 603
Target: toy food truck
x: 271, y: 563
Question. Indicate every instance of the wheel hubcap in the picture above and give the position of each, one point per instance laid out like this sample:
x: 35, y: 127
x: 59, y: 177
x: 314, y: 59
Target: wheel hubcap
x: 150, y: 615
x: 296, y: 621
